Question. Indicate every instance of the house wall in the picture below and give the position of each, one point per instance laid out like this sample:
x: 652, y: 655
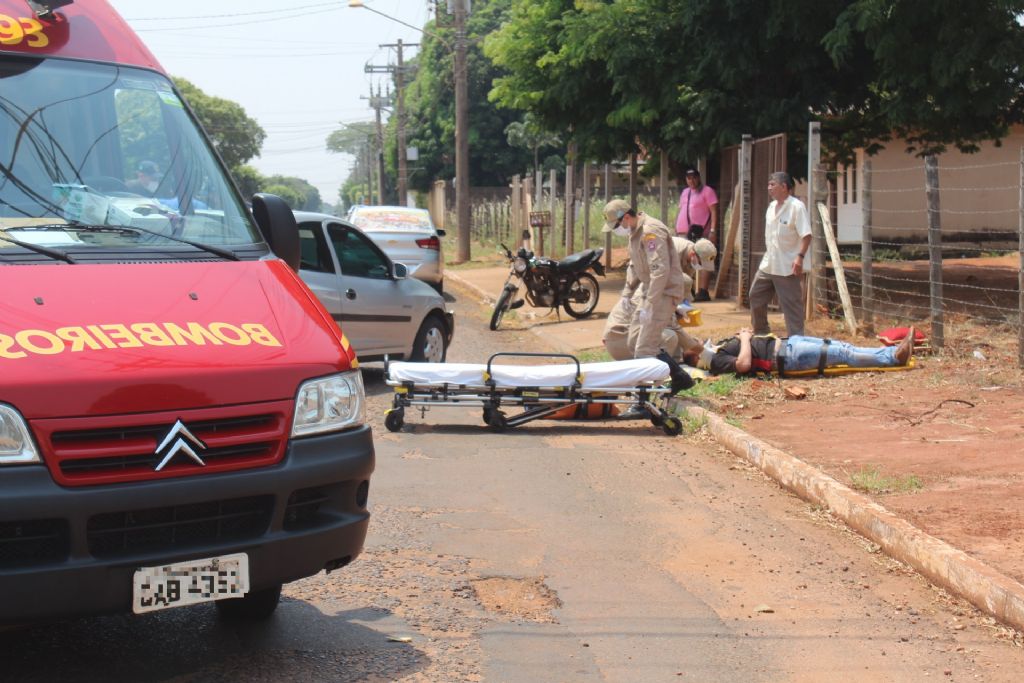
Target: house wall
x: 979, y: 193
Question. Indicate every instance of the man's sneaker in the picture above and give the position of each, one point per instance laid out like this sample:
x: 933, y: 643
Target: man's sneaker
x: 905, y: 351
x: 702, y: 295
x: 635, y: 412
x: 518, y: 303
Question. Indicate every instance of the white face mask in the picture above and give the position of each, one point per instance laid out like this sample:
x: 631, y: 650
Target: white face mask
x: 621, y: 231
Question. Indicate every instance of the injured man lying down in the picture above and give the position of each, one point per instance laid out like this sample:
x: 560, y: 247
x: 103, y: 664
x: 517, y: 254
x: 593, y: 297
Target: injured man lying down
x: 747, y: 353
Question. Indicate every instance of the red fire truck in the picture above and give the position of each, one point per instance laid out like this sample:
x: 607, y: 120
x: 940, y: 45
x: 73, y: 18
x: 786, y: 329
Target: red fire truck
x: 180, y: 420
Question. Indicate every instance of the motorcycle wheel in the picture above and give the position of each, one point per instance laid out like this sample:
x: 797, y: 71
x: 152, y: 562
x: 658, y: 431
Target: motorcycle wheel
x: 582, y: 297
x: 503, y: 304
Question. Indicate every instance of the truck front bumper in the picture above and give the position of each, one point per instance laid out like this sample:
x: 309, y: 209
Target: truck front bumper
x: 67, y: 552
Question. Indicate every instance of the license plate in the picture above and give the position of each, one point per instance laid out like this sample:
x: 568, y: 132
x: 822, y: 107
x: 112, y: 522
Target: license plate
x: 188, y: 583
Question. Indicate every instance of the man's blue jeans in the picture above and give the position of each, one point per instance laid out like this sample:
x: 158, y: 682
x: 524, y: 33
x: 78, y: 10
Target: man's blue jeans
x: 803, y: 353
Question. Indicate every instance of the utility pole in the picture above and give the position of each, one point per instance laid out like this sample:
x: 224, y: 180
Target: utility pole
x: 399, y: 74
x: 403, y: 169
x: 462, y: 214
x: 379, y: 104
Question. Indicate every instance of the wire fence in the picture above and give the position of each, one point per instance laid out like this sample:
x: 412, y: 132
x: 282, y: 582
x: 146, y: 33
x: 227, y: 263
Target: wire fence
x: 495, y: 220
x: 935, y: 241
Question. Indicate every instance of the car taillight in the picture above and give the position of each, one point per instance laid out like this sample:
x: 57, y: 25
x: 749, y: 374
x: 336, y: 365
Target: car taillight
x: 429, y: 243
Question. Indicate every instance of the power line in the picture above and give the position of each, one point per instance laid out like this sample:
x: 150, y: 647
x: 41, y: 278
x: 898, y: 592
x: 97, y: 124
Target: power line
x: 236, y: 14
x: 232, y: 24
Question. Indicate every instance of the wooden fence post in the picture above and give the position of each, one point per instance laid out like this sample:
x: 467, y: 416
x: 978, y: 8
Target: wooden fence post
x: 746, y: 199
x: 585, y: 205
x: 663, y: 186
x: 1020, y: 268
x: 607, y: 198
x: 817, y: 289
x: 931, y: 172
x: 554, y: 205
x: 867, y: 252
x: 570, y: 199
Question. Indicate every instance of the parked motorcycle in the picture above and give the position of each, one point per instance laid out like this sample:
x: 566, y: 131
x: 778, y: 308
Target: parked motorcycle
x: 550, y: 283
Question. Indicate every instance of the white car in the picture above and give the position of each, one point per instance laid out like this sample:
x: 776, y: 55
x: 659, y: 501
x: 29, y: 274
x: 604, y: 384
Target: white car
x: 407, y: 235
x: 379, y: 308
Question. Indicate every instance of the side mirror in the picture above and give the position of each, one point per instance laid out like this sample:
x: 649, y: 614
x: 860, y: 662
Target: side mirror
x: 277, y: 224
x: 401, y: 271
x: 440, y: 232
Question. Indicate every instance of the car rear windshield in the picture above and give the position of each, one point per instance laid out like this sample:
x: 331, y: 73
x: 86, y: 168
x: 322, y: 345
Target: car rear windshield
x: 101, y: 146
x: 392, y: 220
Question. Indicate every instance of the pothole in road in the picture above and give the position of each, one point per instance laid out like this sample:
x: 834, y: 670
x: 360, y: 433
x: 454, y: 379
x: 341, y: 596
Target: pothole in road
x: 528, y: 598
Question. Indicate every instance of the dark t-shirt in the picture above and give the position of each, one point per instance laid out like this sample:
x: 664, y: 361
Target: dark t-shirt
x: 724, y: 360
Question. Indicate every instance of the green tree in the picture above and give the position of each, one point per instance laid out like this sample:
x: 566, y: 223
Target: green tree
x: 530, y: 134
x: 237, y: 137
x: 430, y: 103
x: 290, y: 195
x: 940, y: 73
x: 248, y: 179
x: 692, y: 77
x: 309, y: 196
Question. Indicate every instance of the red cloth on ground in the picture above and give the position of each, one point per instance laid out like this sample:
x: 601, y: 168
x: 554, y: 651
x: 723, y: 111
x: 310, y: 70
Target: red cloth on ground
x: 894, y: 335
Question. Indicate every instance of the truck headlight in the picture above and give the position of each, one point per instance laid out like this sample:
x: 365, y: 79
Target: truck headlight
x: 16, y: 445
x: 329, y: 404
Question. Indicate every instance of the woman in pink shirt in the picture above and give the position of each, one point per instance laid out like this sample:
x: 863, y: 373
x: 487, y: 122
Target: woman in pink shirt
x: 698, y: 217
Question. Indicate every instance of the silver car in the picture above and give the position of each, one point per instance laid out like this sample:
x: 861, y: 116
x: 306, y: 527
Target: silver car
x: 407, y: 235
x: 379, y: 308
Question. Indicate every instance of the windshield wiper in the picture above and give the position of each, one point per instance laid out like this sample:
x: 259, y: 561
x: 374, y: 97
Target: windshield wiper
x: 74, y: 226
x: 56, y: 254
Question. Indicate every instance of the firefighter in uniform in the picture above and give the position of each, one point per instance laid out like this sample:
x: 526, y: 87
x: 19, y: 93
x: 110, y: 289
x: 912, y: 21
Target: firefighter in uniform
x: 654, y: 279
x: 674, y: 339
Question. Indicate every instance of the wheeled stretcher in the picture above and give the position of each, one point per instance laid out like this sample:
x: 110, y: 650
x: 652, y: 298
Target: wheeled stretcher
x: 537, y: 391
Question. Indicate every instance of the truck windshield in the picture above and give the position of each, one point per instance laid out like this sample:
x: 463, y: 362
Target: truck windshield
x: 97, y: 146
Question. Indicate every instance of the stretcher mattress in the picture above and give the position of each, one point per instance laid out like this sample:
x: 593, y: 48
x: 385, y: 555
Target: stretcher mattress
x: 613, y: 374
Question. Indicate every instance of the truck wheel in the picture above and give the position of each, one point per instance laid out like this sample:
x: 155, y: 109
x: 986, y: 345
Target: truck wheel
x: 255, y: 606
x: 394, y: 419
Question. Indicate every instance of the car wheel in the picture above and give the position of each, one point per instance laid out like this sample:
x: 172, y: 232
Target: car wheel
x: 254, y: 606
x: 431, y: 345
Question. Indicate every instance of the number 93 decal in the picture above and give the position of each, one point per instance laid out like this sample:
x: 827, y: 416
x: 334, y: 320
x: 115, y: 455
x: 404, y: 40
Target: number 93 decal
x: 18, y: 30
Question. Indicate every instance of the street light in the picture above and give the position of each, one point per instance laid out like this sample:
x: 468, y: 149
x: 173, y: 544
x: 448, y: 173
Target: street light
x: 462, y: 213
x: 359, y: 4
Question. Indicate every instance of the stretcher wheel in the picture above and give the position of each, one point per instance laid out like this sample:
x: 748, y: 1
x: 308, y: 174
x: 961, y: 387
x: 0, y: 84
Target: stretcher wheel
x: 487, y: 414
x: 498, y: 421
x: 656, y: 419
x: 394, y: 419
x: 672, y: 426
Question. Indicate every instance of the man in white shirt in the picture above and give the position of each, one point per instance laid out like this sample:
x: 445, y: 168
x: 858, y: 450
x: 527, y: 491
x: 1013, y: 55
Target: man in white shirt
x: 787, y: 237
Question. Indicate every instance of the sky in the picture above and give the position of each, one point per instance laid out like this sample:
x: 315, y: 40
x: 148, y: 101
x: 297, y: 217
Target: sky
x: 295, y: 67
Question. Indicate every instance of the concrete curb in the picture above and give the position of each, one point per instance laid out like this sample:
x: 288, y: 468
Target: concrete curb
x: 944, y: 565
x: 484, y: 296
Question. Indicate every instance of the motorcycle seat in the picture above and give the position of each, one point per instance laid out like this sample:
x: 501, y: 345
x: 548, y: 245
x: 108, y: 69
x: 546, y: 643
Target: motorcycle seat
x: 581, y: 260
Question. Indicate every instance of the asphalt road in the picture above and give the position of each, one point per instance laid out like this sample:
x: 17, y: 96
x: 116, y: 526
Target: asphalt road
x: 559, y: 552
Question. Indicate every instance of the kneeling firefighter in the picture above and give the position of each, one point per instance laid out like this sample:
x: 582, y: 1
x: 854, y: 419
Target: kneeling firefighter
x: 654, y: 276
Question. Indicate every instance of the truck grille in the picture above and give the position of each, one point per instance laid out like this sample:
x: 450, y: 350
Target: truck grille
x: 116, y: 449
x: 33, y: 541
x: 178, y: 527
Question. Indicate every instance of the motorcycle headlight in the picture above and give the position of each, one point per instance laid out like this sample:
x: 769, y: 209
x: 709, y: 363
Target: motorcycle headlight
x: 329, y: 404
x: 519, y: 265
x: 16, y: 445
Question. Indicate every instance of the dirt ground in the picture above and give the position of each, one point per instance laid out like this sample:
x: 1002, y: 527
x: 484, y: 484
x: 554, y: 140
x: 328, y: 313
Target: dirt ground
x: 941, y: 444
